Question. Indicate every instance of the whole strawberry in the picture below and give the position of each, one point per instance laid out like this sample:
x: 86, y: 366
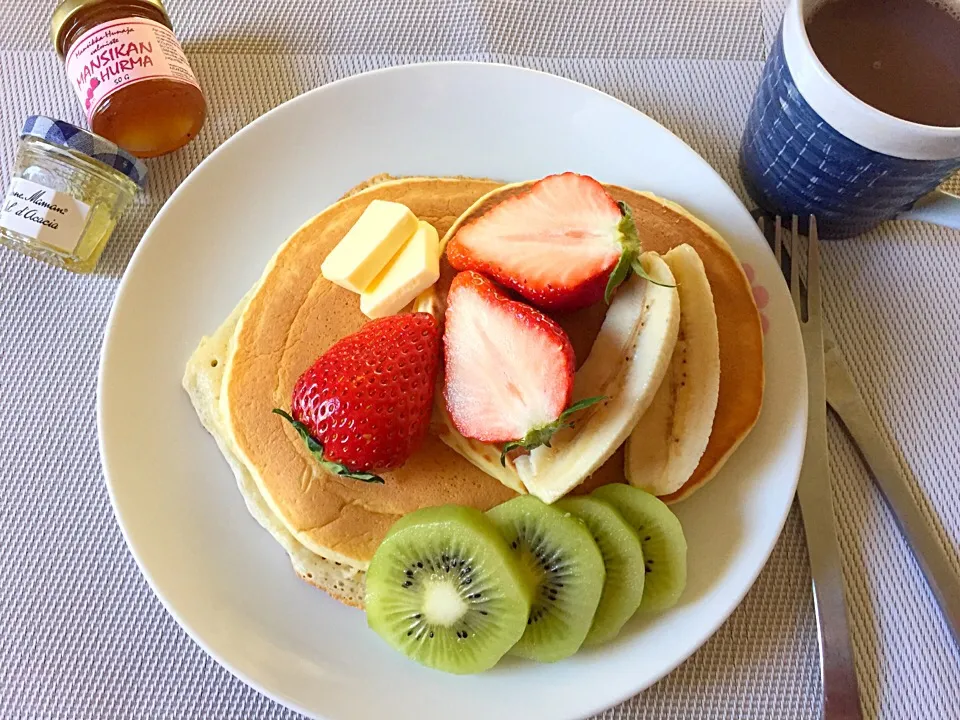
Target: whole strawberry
x: 365, y: 404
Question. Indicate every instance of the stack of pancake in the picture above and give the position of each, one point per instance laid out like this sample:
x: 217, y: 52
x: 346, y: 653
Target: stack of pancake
x: 331, y: 526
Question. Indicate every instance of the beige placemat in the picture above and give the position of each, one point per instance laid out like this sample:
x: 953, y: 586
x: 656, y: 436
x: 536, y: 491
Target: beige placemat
x: 81, y: 635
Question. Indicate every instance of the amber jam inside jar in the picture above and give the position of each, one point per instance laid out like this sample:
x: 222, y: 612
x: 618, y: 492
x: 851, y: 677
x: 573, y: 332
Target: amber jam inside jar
x: 130, y: 74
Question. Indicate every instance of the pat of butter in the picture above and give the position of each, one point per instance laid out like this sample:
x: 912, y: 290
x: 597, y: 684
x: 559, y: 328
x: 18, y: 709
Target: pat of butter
x: 415, y: 268
x: 369, y: 245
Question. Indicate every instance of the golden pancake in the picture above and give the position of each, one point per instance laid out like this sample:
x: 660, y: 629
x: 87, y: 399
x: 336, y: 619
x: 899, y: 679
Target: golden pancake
x: 293, y: 316
x: 662, y: 226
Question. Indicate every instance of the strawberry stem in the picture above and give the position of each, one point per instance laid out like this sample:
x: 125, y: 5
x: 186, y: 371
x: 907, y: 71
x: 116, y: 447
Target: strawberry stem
x: 542, y: 435
x: 316, y: 449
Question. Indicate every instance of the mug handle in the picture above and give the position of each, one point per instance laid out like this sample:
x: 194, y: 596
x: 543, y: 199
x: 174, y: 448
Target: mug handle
x: 938, y: 207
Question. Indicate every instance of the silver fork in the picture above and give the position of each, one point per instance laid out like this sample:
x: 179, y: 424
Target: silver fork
x: 841, y: 696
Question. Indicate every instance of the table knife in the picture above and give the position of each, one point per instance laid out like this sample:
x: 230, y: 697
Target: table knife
x: 847, y: 403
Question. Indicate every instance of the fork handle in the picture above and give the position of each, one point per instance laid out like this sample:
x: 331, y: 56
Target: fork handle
x: 841, y: 697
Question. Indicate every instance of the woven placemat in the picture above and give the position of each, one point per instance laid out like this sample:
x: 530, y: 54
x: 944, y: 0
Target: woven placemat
x: 82, y: 636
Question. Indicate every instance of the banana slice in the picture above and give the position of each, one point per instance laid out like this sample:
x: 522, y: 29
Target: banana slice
x: 575, y: 453
x: 665, y: 447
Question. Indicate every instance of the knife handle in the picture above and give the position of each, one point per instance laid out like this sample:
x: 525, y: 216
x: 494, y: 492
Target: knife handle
x: 917, y: 530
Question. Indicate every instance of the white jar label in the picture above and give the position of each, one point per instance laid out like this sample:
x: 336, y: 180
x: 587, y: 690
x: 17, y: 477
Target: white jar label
x: 35, y: 211
x: 121, y: 52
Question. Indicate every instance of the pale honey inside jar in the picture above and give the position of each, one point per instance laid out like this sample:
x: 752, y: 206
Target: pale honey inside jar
x: 130, y: 73
x: 67, y: 191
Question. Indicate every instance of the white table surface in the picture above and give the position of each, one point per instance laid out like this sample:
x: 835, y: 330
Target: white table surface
x: 81, y: 635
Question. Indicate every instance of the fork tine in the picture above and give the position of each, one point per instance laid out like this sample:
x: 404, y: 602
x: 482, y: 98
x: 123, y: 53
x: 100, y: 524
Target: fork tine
x: 813, y: 270
x: 795, y: 267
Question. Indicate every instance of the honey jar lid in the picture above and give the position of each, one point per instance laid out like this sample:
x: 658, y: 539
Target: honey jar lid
x: 58, y: 132
x: 68, y: 8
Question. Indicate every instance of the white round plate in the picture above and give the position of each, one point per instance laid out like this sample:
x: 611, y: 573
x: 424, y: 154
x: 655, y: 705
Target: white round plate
x: 222, y: 577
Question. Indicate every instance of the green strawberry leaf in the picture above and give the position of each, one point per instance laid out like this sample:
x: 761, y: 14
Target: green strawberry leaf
x: 630, y: 244
x: 629, y: 257
x: 618, y: 275
x: 581, y: 405
x: 543, y: 435
x: 316, y: 449
x: 510, y: 446
x: 638, y: 269
x: 343, y: 471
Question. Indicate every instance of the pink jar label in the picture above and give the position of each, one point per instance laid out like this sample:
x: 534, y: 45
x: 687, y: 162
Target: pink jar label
x: 121, y: 52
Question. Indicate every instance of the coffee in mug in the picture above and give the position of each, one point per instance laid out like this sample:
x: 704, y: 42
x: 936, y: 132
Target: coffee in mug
x: 900, y: 56
x: 857, y: 116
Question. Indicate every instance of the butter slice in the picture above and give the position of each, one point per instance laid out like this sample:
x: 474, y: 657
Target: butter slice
x: 415, y: 268
x: 369, y: 245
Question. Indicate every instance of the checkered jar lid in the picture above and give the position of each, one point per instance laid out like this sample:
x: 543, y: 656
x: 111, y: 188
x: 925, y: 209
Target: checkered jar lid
x: 58, y: 132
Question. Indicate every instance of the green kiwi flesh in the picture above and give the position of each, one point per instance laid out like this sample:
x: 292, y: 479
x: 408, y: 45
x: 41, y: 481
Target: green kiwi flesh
x: 661, y: 535
x: 445, y: 589
x: 565, y: 572
x: 623, y: 560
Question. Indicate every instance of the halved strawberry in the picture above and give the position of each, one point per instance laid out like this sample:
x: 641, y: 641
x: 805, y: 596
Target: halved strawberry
x: 508, y: 368
x: 563, y: 245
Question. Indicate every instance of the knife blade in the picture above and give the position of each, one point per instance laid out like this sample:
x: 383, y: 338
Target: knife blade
x: 847, y: 403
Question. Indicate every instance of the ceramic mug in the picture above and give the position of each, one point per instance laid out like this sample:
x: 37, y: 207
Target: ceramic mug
x: 812, y: 148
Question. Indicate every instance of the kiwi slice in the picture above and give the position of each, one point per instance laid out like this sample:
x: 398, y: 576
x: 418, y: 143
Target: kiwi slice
x: 623, y: 559
x: 664, y: 547
x: 564, y: 569
x: 444, y: 589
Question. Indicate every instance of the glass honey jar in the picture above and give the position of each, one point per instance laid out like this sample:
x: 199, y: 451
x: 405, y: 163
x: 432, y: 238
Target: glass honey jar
x: 68, y: 189
x: 130, y: 74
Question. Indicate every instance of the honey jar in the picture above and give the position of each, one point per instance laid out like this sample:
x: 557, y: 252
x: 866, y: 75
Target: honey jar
x: 68, y: 188
x: 130, y: 74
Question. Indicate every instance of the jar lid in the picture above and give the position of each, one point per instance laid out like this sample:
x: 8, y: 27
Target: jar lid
x: 58, y: 132
x: 68, y: 8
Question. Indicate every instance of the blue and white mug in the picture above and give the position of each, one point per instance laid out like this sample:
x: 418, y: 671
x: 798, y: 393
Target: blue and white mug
x: 813, y: 148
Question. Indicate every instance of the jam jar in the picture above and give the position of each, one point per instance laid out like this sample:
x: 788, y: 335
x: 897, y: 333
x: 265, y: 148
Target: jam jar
x: 130, y: 74
x: 68, y: 189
